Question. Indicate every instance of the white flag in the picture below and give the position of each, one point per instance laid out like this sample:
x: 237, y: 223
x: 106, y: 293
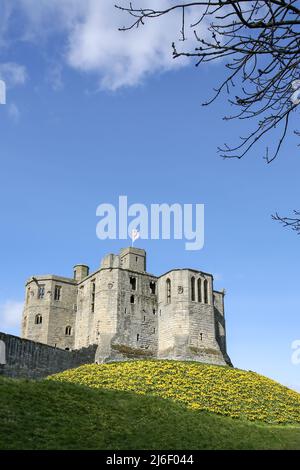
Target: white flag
x: 2, y: 92
x: 135, y: 234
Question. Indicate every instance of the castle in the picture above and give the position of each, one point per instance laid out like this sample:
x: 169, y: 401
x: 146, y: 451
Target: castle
x: 128, y: 312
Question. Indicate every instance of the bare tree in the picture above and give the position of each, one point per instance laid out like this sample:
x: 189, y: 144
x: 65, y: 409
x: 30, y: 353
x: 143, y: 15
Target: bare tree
x: 259, y: 42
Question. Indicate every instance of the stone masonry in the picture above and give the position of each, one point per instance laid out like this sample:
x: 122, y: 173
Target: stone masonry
x: 126, y: 312
x: 29, y: 359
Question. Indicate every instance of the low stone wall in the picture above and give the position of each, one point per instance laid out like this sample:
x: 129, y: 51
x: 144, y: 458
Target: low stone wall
x: 27, y: 359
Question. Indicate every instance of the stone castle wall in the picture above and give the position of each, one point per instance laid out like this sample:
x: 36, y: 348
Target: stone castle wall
x: 22, y: 358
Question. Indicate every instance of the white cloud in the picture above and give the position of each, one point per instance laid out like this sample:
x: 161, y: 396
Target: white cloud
x: 121, y: 58
x: 92, y: 43
x: 6, y: 9
x: 13, y: 74
x: 49, y: 16
x: 54, y: 77
x: 14, y: 112
x: 10, y: 316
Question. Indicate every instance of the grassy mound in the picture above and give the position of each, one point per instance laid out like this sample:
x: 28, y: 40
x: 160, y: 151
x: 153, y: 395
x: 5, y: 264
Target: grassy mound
x: 222, y: 390
x: 52, y: 415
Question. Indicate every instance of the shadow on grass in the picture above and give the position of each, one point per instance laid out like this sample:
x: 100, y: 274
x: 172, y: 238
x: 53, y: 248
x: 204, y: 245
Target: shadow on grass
x: 52, y: 415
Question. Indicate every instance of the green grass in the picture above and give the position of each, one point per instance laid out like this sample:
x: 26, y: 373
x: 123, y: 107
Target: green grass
x: 223, y: 390
x: 53, y: 415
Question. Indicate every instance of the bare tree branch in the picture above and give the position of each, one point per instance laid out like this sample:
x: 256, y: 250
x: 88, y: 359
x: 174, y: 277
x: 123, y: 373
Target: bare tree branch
x: 291, y: 222
x: 259, y: 42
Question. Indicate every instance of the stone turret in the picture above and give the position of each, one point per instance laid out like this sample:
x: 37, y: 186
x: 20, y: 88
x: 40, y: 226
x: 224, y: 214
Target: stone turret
x: 133, y: 259
x: 81, y: 271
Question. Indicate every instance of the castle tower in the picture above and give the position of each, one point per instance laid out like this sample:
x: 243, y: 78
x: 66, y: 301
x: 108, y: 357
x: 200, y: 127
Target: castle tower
x: 80, y: 272
x: 188, y: 327
x: 133, y: 259
x: 50, y: 311
x: 117, y: 306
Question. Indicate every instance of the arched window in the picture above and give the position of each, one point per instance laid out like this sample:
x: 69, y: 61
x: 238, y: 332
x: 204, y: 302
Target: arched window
x: 68, y: 331
x: 193, y: 289
x: 199, y: 289
x: 168, y: 291
x: 205, y: 288
x: 38, y: 319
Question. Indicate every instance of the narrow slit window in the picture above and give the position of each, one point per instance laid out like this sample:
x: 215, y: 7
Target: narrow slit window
x: 133, y: 282
x: 57, y: 293
x: 93, y: 294
x: 193, y: 289
x: 168, y: 289
x: 199, y: 288
x: 205, y: 288
x: 132, y: 299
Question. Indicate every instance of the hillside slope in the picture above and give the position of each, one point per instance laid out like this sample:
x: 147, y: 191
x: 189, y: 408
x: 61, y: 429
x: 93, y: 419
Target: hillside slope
x: 222, y: 390
x: 52, y: 415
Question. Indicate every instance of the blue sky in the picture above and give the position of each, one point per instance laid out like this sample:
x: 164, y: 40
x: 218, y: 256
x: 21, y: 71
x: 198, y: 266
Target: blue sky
x: 78, y: 131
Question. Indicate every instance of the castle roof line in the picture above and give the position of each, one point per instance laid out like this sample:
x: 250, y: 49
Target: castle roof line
x: 110, y: 269
x: 144, y: 273
x: 220, y: 291
x: 187, y: 269
x: 51, y: 277
x: 66, y: 280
